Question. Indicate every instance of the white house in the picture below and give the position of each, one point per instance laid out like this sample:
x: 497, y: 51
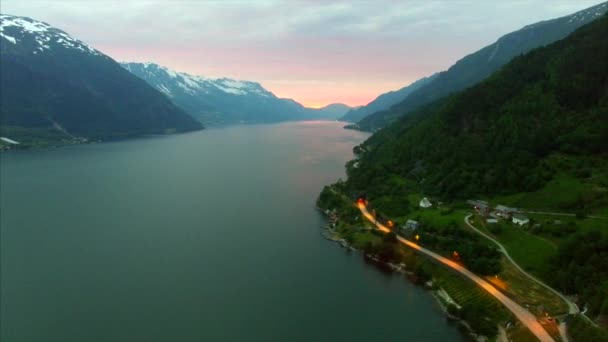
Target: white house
x: 410, y: 225
x: 520, y: 219
x: 505, y: 212
x: 425, y: 203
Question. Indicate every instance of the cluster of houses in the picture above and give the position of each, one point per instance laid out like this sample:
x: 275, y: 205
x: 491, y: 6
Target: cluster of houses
x: 333, y: 217
x: 411, y: 225
x: 500, y: 211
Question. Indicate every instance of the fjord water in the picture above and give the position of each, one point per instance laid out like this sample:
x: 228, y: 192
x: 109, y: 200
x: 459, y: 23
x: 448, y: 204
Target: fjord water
x: 206, y: 236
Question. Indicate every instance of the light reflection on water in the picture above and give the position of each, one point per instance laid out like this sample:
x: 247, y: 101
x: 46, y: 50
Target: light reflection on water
x: 206, y: 236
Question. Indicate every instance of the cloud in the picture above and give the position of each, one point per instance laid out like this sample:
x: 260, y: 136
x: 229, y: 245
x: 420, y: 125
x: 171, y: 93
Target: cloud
x: 289, y: 44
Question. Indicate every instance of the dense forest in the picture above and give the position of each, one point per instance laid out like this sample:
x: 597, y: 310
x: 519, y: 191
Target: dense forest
x: 477, y: 66
x: 495, y: 137
x: 580, y: 267
x: 540, y: 119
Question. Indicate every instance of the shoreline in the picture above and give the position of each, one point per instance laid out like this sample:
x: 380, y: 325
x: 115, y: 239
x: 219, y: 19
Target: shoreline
x: 22, y: 147
x: 329, y: 234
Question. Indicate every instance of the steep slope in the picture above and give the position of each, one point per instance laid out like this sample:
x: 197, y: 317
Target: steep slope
x: 543, y: 115
x: 479, y: 65
x: 57, y: 87
x: 385, y: 101
x: 223, y: 100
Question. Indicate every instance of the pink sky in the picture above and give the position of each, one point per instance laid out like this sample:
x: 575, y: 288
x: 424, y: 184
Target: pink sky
x: 316, y: 52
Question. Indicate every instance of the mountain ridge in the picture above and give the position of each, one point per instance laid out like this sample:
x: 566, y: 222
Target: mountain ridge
x: 474, y: 67
x: 495, y: 135
x: 385, y: 100
x: 215, y: 101
x: 56, y: 87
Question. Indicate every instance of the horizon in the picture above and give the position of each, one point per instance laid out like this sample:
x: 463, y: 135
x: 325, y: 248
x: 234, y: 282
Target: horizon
x: 313, y: 54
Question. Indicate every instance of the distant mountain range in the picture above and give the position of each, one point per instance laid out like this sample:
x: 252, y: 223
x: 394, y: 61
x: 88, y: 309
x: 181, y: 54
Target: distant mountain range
x: 385, y: 101
x: 335, y: 110
x: 477, y: 66
x: 215, y: 101
x: 55, y: 87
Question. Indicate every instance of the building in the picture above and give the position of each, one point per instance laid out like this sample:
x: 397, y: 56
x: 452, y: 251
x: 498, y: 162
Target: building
x: 410, y: 225
x: 505, y: 212
x: 425, y: 203
x: 481, y: 207
x: 520, y: 219
x: 491, y: 221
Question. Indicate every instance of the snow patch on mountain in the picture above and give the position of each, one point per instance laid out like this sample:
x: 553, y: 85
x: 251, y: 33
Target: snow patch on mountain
x: 9, y: 38
x: 590, y: 13
x: 230, y: 90
x: 165, y: 79
x: 14, y: 29
x: 164, y: 89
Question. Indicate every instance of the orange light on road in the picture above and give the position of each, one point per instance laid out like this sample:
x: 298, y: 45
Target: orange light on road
x: 524, y: 316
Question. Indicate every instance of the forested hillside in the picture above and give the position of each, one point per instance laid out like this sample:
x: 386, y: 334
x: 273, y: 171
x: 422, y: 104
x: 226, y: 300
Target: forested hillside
x: 538, y: 126
x: 477, y: 66
x: 496, y: 137
x: 386, y: 100
x: 56, y: 88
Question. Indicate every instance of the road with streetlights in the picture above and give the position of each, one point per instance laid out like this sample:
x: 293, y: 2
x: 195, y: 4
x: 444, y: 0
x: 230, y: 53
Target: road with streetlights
x: 523, y: 315
x: 572, y: 308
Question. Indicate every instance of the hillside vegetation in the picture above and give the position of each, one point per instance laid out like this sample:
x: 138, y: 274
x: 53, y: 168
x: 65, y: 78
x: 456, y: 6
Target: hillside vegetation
x: 56, y: 88
x: 477, y: 66
x: 504, y: 135
x: 535, y: 132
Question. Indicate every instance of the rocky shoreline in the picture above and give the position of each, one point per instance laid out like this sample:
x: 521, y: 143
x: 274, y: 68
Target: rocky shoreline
x: 330, y: 234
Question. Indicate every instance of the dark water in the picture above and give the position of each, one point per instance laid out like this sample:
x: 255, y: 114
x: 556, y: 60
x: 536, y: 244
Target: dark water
x: 197, y: 237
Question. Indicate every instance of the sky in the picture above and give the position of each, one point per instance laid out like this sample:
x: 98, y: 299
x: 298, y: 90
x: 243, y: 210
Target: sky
x: 316, y: 52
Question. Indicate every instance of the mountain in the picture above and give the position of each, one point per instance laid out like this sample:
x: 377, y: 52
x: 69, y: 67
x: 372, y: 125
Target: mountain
x: 385, y: 101
x: 215, y: 101
x: 542, y: 117
x: 55, y: 87
x: 334, y: 110
x: 533, y: 135
x: 479, y: 65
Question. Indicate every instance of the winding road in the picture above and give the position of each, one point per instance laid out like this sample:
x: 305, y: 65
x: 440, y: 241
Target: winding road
x: 572, y: 308
x: 524, y: 316
x: 528, y: 211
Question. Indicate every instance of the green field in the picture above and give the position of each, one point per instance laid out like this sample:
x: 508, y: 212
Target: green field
x: 529, y: 251
x: 562, y: 191
x: 436, y: 217
x: 465, y: 292
x: 580, y: 185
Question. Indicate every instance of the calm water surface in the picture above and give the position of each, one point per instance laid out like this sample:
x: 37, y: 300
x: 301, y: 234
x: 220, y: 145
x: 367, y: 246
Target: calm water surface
x: 208, y: 236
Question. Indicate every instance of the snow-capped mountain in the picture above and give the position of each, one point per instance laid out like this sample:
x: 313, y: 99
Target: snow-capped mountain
x: 165, y: 78
x: 55, y: 86
x: 224, y: 100
x: 36, y: 36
